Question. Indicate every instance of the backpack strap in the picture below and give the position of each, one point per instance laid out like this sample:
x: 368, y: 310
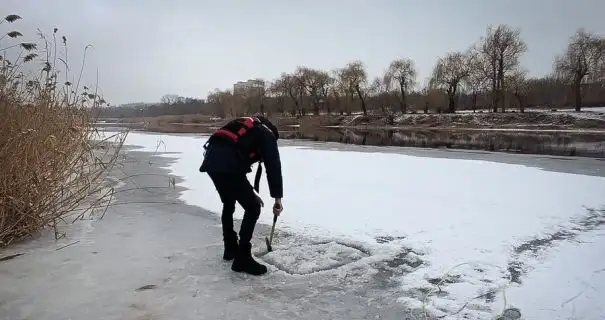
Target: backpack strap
x: 234, y: 130
x: 259, y: 172
x: 237, y: 128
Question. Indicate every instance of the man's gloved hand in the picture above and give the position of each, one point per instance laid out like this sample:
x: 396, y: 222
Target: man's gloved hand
x: 277, y: 207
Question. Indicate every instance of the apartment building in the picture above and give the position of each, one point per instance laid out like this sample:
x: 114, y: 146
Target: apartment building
x: 243, y: 87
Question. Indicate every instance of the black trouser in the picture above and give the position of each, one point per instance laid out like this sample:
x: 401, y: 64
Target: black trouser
x: 232, y: 188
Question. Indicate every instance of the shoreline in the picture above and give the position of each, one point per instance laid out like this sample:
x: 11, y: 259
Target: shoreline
x: 564, y: 142
x: 537, y: 121
x: 209, y: 127
x: 462, y: 129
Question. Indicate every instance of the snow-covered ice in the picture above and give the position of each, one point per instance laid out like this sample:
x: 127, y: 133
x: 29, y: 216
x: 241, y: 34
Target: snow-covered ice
x: 154, y: 257
x: 305, y: 259
x: 465, y: 218
x: 567, y: 283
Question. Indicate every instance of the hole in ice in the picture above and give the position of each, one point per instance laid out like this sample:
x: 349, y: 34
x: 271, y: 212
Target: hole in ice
x: 309, y: 258
x: 511, y: 314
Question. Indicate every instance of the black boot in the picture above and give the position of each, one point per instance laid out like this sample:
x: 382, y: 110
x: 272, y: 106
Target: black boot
x: 245, y: 263
x: 231, y: 246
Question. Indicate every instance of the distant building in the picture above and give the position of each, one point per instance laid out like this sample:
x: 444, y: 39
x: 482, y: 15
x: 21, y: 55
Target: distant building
x: 252, y: 85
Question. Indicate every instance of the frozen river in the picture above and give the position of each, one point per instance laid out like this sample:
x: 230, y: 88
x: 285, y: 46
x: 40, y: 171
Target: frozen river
x: 367, y: 232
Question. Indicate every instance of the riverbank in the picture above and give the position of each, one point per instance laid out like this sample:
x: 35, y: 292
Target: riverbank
x: 592, y: 119
x: 560, y: 142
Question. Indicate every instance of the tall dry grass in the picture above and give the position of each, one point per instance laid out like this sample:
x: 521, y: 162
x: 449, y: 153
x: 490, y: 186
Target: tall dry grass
x: 50, y: 165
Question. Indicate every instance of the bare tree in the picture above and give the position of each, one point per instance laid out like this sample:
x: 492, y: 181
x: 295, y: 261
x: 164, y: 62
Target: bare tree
x: 502, y: 47
x: 339, y: 90
x: 277, y: 93
x: 215, y: 98
x: 584, y: 61
x: 402, y: 72
x: 225, y: 100
x: 378, y: 90
x: 449, y: 73
x: 262, y: 95
x: 290, y: 86
x: 344, y: 91
x: 478, y: 78
x: 252, y: 99
x: 315, y: 83
x: 355, y: 78
x: 325, y: 83
x: 519, y: 87
x: 424, y: 101
x: 171, y: 99
x: 299, y: 82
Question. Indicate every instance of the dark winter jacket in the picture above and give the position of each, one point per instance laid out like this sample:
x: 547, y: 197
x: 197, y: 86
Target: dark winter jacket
x: 222, y: 156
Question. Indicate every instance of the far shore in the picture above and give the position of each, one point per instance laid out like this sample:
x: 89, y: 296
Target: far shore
x: 546, y: 133
x: 589, y: 121
x: 176, y: 127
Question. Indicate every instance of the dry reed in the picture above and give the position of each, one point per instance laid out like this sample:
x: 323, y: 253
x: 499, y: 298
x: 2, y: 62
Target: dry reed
x: 50, y: 165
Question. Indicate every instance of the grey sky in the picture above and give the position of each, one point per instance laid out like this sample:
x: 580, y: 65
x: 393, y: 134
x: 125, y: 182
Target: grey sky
x: 146, y: 48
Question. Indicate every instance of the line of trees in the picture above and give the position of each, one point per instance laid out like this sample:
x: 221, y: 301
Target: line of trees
x: 170, y: 104
x: 486, y: 75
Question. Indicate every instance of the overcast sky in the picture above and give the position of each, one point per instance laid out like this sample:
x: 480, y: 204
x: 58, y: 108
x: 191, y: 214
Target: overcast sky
x: 144, y: 49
